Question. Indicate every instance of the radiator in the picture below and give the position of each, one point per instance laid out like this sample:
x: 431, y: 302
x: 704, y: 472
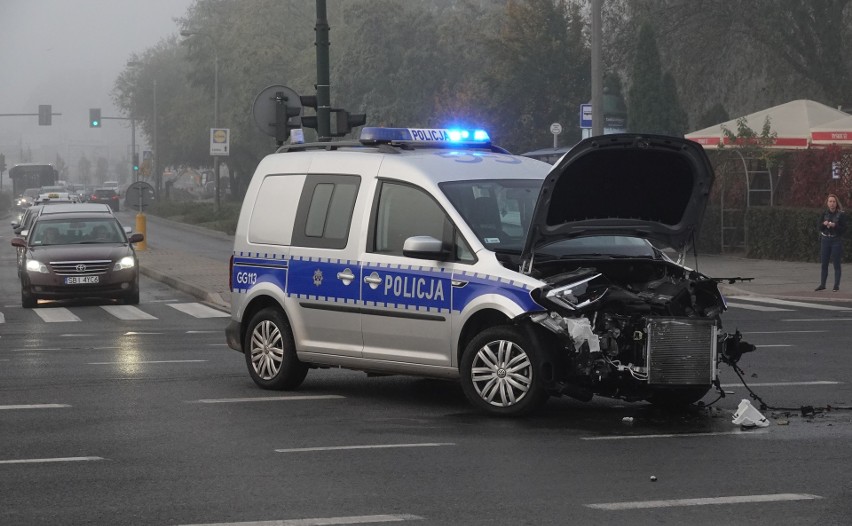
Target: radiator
x: 681, y: 351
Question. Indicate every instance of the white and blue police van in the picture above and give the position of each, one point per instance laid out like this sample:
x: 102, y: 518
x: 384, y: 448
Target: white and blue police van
x: 433, y: 252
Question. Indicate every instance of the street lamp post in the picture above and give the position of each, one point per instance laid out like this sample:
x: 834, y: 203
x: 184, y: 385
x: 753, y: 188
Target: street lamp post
x: 188, y: 33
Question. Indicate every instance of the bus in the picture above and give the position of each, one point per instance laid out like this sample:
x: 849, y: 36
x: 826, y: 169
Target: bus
x: 32, y: 175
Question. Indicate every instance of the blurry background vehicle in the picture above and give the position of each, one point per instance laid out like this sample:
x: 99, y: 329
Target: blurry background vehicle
x: 105, y: 195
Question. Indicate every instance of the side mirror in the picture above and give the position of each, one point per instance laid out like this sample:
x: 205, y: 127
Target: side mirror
x: 424, y: 247
x: 136, y: 238
x: 15, y: 224
x: 19, y: 242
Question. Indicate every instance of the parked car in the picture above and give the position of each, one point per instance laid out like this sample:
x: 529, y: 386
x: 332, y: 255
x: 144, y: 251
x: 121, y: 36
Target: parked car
x: 78, y: 255
x: 105, y: 195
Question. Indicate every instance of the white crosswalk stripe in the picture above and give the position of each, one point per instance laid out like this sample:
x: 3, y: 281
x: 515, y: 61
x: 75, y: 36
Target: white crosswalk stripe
x: 198, y: 310
x: 127, y: 312
x: 50, y: 314
x: 56, y: 314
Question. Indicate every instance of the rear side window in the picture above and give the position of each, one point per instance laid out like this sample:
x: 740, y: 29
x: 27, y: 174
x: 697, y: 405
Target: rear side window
x: 325, y: 211
x: 274, y: 210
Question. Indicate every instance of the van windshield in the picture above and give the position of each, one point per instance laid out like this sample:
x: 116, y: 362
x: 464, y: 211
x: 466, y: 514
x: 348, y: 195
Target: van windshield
x: 498, y: 211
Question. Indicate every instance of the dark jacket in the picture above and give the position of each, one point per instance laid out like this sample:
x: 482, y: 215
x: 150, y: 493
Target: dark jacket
x: 839, y: 220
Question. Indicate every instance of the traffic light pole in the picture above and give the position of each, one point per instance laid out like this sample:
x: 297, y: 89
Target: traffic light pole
x: 323, y: 75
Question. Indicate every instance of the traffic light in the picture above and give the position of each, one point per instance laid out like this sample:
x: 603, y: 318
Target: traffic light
x: 135, y: 163
x: 45, y: 112
x: 309, y: 101
x: 94, y: 118
x: 283, y: 111
x: 345, y: 121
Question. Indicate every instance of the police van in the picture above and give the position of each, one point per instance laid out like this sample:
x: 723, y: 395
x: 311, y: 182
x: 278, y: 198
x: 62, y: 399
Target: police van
x: 433, y: 252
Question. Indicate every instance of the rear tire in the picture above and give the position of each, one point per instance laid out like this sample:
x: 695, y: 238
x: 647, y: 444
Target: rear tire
x: 271, y: 352
x: 500, y: 372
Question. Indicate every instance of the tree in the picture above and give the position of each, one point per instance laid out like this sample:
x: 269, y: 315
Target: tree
x: 84, y: 169
x: 648, y: 100
x: 539, y: 72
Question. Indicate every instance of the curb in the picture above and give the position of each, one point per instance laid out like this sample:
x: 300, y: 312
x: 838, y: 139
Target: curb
x: 212, y: 298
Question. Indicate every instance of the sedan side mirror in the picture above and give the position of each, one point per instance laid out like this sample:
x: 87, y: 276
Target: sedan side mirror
x: 136, y: 238
x: 19, y: 242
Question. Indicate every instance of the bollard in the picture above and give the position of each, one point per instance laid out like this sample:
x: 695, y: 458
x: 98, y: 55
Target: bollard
x: 141, y: 227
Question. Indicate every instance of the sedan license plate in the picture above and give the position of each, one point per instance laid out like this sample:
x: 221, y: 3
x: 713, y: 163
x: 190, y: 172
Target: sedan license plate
x: 80, y: 280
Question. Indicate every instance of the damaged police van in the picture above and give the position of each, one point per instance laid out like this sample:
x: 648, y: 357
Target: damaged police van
x: 435, y: 253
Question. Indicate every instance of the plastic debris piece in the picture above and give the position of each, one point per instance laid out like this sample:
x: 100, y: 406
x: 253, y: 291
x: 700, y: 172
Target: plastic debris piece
x: 747, y: 416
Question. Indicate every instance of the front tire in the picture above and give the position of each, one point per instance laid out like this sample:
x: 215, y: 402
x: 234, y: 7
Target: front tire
x: 28, y: 301
x: 271, y: 352
x: 500, y: 372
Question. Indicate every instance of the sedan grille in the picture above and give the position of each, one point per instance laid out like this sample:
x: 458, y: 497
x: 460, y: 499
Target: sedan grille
x: 681, y: 351
x: 80, y: 268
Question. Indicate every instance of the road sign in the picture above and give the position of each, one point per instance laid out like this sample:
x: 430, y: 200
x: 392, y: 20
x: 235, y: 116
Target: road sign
x: 220, y: 141
x: 585, y: 115
x: 555, y: 128
x: 139, y: 195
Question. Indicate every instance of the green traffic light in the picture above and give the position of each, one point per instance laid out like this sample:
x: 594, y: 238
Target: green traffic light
x: 95, y: 123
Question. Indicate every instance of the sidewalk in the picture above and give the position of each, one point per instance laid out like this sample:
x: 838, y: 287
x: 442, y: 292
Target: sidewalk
x: 207, y: 279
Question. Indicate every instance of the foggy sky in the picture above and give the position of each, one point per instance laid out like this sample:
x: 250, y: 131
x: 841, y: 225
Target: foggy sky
x: 68, y: 53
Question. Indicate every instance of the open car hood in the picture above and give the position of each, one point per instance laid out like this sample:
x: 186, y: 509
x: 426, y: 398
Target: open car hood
x: 646, y: 186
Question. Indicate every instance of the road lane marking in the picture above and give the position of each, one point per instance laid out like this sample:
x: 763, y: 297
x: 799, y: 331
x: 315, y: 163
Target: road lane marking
x: 762, y: 308
x: 199, y: 311
x: 678, y: 435
x: 267, y: 399
x: 34, y: 406
x: 145, y: 362
x: 127, y: 312
x: 133, y: 333
x: 327, y: 521
x: 203, y: 332
x: 780, y: 332
x: 56, y: 315
x: 784, y: 384
x: 739, y: 499
x: 376, y: 446
x: 788, y: 303
x: 816, y: 319
x: 41, y: 460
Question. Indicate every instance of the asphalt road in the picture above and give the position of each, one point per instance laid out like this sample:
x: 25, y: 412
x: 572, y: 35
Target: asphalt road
x: 153, y: 420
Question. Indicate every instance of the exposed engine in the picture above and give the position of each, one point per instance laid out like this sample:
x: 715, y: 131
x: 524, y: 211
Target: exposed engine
x: 634, y: 328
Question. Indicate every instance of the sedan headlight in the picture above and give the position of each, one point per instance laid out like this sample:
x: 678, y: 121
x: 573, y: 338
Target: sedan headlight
x: 124, y: 263
x: 34, y: 265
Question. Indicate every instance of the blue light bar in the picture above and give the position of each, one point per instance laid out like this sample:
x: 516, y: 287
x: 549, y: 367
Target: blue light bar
x: 426, y: 135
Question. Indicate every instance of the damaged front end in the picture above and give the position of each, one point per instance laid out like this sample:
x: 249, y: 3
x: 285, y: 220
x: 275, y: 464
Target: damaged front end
x: 655, y: 336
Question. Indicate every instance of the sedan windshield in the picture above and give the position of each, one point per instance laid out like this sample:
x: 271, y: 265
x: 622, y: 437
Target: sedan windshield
x: 497, y: 210
x: 71, y: 232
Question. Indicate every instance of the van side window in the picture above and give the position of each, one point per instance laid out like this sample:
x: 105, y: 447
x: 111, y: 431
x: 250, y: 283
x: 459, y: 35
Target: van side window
x: 325, y: 211
x: 403, y: 211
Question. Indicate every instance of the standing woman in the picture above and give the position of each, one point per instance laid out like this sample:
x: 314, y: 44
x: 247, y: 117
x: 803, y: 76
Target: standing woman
x: 832, y: 225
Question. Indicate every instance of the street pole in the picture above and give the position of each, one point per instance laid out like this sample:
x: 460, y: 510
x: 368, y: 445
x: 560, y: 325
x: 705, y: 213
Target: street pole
x: 216, y: 119
x: 323, y: 75
x: 132, y: 146
x: 597, y: 77
x: 154, y: 168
